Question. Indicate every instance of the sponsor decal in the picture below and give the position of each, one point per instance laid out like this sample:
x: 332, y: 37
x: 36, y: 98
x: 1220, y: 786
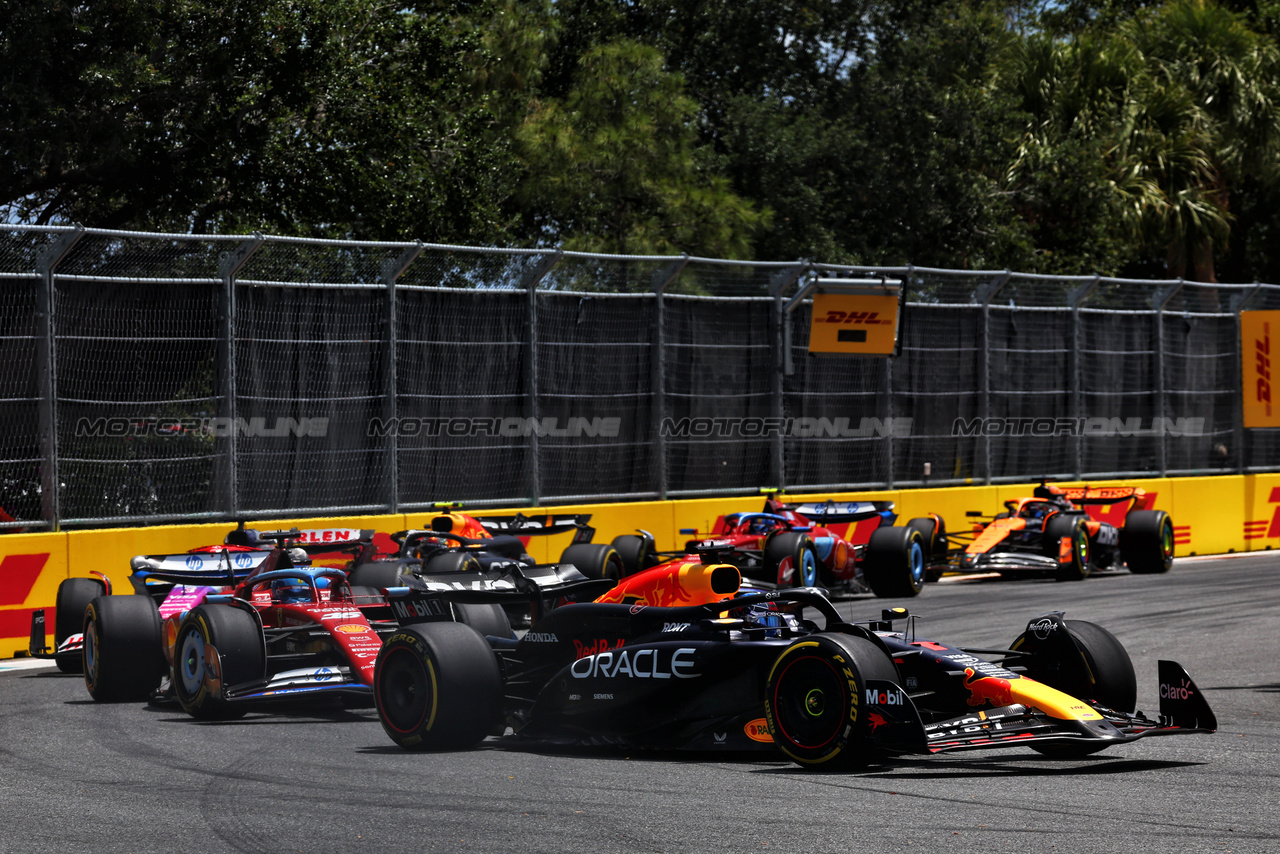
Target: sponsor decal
x: 419, y: 608
x: 602, y: 696
x: 243, y: 560
x: 195, y: 563
x: 758, y: 730
x: 987, y: 689
x: 582, y: 650
x: 351, y: 628
x: 1043, y: 628
x: 675, y: 627
x: 876, y: 720
x: 1176, y: 692
x: 324, y: 674
x: 885, y: 698
x: 541, y: 637
x: 637, y: 608
x: 638, y: 664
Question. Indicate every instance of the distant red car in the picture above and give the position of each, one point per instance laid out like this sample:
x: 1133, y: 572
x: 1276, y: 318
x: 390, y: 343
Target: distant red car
x: 852, y: 547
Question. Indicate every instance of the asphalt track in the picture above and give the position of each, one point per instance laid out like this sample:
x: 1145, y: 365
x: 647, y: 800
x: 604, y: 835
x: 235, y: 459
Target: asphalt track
x: 81, y: 777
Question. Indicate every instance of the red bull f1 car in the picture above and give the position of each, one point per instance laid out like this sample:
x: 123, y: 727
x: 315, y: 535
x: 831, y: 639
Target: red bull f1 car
x: 847, y: 547
x: 740, y: 672
x: 1064, y: 532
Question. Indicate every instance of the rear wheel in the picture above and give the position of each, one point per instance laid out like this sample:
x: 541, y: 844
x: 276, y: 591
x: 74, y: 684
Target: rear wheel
x: 437, y: 686
x: 74, y: 596
x: 123, y: 652
x: 217, y: 645
x: 595, y: 560
x: 636, y: 553
x: 1079, y: 565
x: 378, y: 575
x: 488, y: 620
x: 933, y: 531
x: 791, y: 560
x: 448, y: 562
x: 812, y: 700
x: 893, y: 563
x: 1146, y: 541
x: 1100, y: 672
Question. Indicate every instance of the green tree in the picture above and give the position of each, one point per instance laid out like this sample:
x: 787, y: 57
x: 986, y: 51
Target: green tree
x: 614, y: 165
x: 1203, y: 118
x: 331, y: 117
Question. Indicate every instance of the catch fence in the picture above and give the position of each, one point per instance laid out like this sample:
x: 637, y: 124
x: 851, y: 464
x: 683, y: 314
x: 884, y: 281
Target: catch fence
x: 168, y: 377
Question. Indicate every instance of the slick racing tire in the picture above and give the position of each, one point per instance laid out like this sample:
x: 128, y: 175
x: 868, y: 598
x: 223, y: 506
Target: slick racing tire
x: 636, y: 553
x: 377, y: 575
x: 240, y: 655
x: 488, y: 620
x: 1062, y: 525
x: 595, y: 560
x: 813, y: 699
x: 791, y: 560
x: 1102, y: 673
x: 123, y: 648
x: 934, y: 534
x: 1146, y: 541
x: 437, y: 686
x: 894, y: 562
x: 74, y: 596
x: 446, y: 562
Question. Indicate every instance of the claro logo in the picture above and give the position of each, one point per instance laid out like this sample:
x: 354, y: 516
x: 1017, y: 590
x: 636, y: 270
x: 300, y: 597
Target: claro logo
x: 636, y: 664
x: 1262, y: 354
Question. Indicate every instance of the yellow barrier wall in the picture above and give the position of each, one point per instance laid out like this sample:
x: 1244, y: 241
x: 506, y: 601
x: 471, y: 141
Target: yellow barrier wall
x: 1211, y: 515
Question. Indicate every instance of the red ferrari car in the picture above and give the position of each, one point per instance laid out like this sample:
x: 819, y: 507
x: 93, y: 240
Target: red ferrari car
x: 852, y: 547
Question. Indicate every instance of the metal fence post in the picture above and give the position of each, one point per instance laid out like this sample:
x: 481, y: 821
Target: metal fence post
x: 229, y: 265
x: 530, y: 284
x: 46, y: 371
x: 1239, y: 436
x: 661, y: 280
x: 983, y: 296
x: 781, y: 340
x: 392, y: 270
x: 1075, y: 299
x: 1158, y: 302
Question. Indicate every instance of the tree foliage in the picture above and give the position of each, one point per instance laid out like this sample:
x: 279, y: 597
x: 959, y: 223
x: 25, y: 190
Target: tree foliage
x: 1111, y: 136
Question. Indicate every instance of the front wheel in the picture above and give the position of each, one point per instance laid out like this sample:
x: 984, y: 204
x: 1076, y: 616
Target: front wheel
x: 74, y: 596
x: 1077, y: 564
x: 123, y: 652
x: 813, y: 700
x: 894, y: 564
x: 1146, y: 541
x: 1096, y: 667
x: 437, y: 686
x: 217, y: 645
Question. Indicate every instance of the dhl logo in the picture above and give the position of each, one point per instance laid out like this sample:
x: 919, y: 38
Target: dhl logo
x: 18, y: 575
x: 866, y: 318
x: 1262, y: 356
x: 1258, y: 529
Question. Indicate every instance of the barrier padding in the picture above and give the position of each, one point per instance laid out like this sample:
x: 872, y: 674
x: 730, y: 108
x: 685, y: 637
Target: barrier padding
x: 1211, y: 515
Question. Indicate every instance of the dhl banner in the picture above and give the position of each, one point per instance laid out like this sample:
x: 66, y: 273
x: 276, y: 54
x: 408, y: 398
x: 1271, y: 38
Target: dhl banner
x: 1211, y: 515
x: 1256, y: 331
x: 854, y: 324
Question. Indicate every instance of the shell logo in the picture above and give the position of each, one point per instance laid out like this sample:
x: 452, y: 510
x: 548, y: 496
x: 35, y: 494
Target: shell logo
x: 758, y: 730
x: 351, y: 628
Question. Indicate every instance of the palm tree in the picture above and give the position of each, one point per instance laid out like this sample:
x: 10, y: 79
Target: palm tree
x: 1202, y: 115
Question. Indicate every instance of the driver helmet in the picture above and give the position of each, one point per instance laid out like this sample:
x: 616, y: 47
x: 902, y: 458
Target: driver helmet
x: 299, y: 557
x: 289, y: 590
